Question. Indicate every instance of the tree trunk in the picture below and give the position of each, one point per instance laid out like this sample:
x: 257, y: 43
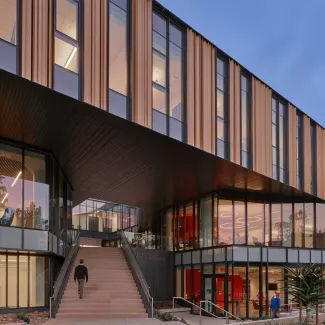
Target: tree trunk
x: 317, y: 314
x: 308, y: 313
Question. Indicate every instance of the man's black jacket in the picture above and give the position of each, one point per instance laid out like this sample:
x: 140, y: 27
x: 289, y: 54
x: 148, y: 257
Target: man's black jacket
x: 81, y: 273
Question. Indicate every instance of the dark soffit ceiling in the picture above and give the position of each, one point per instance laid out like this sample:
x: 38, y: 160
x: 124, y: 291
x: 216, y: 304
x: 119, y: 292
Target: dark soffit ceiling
x: 111, y: 159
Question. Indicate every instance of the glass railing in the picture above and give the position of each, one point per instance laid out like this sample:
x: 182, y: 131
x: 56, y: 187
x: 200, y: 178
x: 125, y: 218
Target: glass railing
x: 148, y: 241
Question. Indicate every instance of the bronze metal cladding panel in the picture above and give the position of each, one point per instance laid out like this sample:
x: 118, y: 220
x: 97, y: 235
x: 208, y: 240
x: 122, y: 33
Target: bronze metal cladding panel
x: 261, y: 127
x: 320, y: 161
x: 190, y: 82
x: 141, y: 70
x: 292, y: 153
x: 26, y: 39
x: 95, y: 86
x: 234, y: 111
x: 307, y: 154
x: 201, y: 98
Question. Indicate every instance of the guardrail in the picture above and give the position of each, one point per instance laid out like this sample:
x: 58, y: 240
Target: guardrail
x: 140, y: 280
x: 62, y: 278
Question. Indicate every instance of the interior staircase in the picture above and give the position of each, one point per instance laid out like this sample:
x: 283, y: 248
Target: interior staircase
x: 111, y: 291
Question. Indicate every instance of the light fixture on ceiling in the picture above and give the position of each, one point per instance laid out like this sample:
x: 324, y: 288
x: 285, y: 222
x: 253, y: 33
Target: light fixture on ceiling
x: 16, y: 179
x: 4, y: 198
x: 70, y: 57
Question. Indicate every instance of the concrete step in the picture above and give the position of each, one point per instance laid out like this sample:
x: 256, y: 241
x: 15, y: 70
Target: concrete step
x: 98, y: 295
x: 95, y: 315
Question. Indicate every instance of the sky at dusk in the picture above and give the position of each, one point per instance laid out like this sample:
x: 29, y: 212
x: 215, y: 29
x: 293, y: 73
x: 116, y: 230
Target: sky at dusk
x: 280, y: 41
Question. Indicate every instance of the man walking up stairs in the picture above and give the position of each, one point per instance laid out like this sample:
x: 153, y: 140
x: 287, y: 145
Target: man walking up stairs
x: 80, y: 275
x: 111, y: 291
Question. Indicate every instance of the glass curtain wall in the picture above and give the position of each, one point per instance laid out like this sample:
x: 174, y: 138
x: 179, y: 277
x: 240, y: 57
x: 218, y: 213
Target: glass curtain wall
x: 8, y: 35
x: 167, y: 77
x: 66, y: 42
x: 99, y: 216
x: 246, y: 159
x: 224, y: 222
x: 222, y: 108
x: 27, y: 277
x: 119, y: 58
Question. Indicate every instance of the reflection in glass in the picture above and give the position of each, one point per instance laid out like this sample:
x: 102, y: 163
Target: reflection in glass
x: 36, y: 192
x: 37, y: 281
x: 254, y: 290
x: 240, y: 222
x: 66, y: 82
x: 159, y: 24
x: 309, y: 225
x: 159, y: 69
x: 175, y: 35
x: 66, y: 17
x: 225, y: 222
x: 206, y: 222
x: 66, y: 55
x: 8, y: 21
x: 8, y: 57
x: 299, y: 224
x: 287, y: 224
x: 238, y: 289
x: 175, y: 129
x: 276, y: 225
x: 320, y: 225
x: 220, y: 103
x: 189, y: 226
x: 159, y: 122
x: 267, y: 224
x: 159, y: 42
x: 159, y: 98
x: 215, y: 221
x: 10, y: 186
x: 118, y: 49
x: 255, y: 224
x: 117, y: 104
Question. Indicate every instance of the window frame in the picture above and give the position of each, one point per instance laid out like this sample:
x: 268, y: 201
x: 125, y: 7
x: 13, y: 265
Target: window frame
x: 225, y: 92
x: 171, y: 20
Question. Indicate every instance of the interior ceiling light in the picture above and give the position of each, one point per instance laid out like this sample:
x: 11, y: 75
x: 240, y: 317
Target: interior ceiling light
x: 16, y: 179
x: 3, y: 200
x: 70, y: 57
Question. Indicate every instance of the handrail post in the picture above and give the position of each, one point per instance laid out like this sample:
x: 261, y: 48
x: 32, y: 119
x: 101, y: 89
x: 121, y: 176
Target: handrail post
x: 173, y: 307
x: 200, y: 312
x: 227, y: 319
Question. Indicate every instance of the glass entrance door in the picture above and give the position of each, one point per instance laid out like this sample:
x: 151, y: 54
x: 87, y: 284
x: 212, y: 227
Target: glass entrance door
x: 214, y: 290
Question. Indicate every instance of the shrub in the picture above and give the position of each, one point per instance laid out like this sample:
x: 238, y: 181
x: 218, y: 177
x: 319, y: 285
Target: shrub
x: 23, y: 317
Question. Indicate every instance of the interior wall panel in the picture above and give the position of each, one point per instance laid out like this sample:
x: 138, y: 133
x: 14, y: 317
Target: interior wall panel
x: 141, y: 62
x: 292, y: 152
x: 307, y: 154
x: 261, y: 127
x: 95, y: 84
x: 36, y: 41
x: 201, y: 93
x: 234, y: 111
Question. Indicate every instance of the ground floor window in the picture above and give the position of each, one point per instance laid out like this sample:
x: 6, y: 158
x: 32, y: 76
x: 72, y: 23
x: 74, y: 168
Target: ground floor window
x: 245, y: 290
x: 23, y: 281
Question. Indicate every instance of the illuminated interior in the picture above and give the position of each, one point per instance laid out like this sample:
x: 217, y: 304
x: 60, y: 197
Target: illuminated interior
x: 8, y: 13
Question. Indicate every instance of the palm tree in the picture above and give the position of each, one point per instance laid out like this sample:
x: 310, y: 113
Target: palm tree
x: 304, y: 284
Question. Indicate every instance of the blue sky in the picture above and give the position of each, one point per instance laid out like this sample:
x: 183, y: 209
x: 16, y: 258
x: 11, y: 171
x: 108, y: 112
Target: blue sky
x: 280, y: 41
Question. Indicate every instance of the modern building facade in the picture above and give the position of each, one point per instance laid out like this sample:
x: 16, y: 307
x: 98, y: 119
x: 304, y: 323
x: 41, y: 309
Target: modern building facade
x: 121, y: 101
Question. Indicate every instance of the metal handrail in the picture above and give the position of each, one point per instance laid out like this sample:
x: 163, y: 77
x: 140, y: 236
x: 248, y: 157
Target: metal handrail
x: 193, y: 304
x: 62, y: 278
x: 141, y: 282
x: 225, y: 311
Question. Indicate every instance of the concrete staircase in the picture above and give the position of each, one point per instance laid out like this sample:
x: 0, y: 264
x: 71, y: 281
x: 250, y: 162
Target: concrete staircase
x: 111, y: 291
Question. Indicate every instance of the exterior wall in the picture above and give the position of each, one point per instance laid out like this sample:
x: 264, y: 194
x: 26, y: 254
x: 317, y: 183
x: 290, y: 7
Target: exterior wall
x: 141, y: 62
x: 201, y: 89
x: 307, y: 155
x: 320, y: 135
x: 262, y: 132
x: 292, y: 145
x: 95, y: 37
x: 37, y: 41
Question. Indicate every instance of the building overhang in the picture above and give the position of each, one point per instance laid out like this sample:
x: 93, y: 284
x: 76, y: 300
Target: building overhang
x: 108, y: 158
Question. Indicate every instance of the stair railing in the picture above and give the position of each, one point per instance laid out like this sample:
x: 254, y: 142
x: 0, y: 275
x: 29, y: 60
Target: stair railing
x: 63, y: 276
x: 140, y: 280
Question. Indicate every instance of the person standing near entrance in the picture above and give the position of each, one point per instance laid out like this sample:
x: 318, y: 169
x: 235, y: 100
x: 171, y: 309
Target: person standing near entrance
x: 275, y: 305
x: 80, y: 275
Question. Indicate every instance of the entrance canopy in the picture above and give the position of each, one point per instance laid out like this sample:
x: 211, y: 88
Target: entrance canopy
x: 111, y: 159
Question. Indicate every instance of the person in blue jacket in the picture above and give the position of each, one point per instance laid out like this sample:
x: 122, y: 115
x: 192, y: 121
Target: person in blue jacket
x: 275, y: 305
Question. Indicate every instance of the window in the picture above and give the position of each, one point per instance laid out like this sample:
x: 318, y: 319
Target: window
x: 279, y: 140
x: 167, y: 78
x: 118, y: 58
x: 246, y: 160
x: 8, y: 35
x: 313, y: 165
x: 222, y: 108
x: 299, y: 144
x: 66, y: 43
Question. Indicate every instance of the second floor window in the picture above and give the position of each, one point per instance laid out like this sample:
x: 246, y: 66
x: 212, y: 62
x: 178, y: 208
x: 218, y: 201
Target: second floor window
x: 66, y: 58
x: 167, y: 78
x: 245, y: 116
x: 118, y: 58
x: 8, y: 35
x: 299, y: 144
x: 222, y: 108
x: 279, y: 140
